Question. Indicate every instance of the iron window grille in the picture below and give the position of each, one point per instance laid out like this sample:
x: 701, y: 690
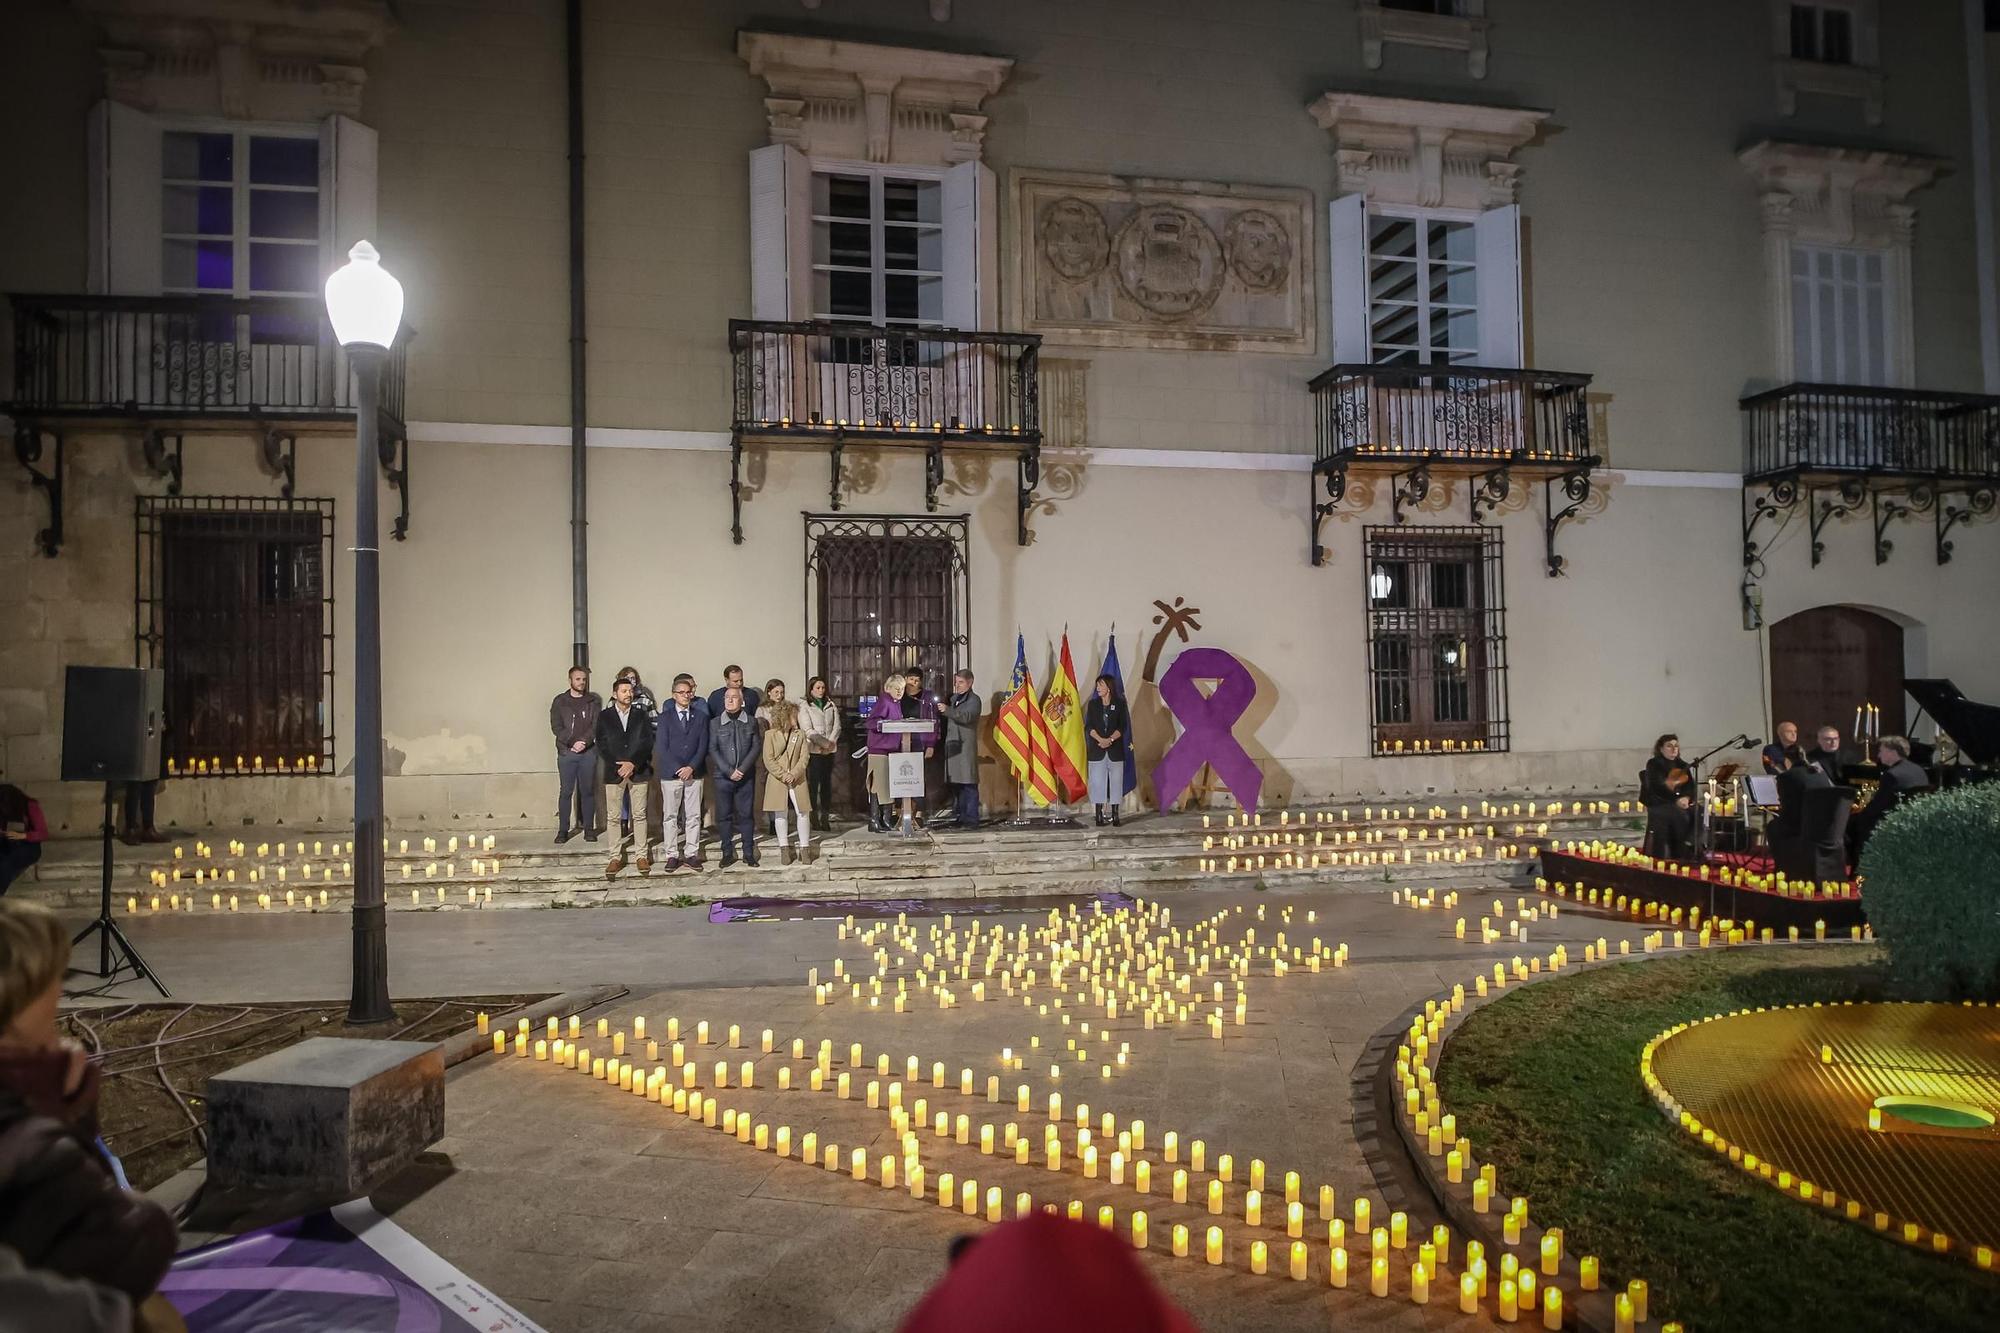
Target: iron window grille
x: 1437, y: 640
x: 883, y: 593
x: 234, y: 601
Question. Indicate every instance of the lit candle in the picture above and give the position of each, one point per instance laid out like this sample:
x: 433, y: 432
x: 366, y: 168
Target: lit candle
x: 1378, y: 1276
x: 1180, y: 1185
x: 1253, y: 1208
x: 1298, y: 1257
x: 1636, y: 1293
x: 1139, y: 1229
x: 1214, y: 1247
x: 1215, y: 1196
x: 1622, y: 1314
x: 1420, y: 1285
x: 1509, y: 1301
x: 1468, y: 1293
x: 1336, y: 1270
x: 1587, y: 1272
x: 1180, y: 1241
x: 1260, y: 1257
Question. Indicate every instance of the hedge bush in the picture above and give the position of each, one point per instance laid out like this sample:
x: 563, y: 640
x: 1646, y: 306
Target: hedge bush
x: 1932, y: 891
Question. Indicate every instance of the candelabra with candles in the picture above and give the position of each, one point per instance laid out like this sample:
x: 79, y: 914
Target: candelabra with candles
x: 1867, y: 723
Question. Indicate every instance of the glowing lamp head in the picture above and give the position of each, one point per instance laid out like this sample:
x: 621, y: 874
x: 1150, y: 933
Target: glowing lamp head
x: 1380, y: 584
x: 364, y: 301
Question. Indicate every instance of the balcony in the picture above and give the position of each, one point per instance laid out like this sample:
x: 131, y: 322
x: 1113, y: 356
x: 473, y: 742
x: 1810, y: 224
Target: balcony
x: 169, y: 366
x: 1900, y: 453
x: 833, y: 384
x: 1484, y: 423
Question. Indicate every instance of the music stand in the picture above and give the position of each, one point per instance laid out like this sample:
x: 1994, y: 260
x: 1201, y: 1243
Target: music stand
x: 106, y: 929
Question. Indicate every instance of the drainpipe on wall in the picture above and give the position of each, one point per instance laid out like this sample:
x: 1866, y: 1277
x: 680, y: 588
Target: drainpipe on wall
x: 1982, y: 193
x: 579, y: 547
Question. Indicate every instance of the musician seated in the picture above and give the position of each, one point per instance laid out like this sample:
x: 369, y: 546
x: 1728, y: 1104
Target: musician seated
x: 1829, y: 755
x: 1798, y: 778
x: 1666, y: 789
x: 1900, y: 780
x: 1775, y: 754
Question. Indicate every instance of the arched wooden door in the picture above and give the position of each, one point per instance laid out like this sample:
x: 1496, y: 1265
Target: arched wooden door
x: 1829, y: 660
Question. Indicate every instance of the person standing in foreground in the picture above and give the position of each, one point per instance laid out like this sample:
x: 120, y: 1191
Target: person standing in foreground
x: 732, y: 678
x: 819, y: 718
x: 1107, y: 725
x: 882, y: 744
x: 680, y: 758
x: 625, y: 739
x: 573, y: 719
x: 733, y: 747
x: 62, y: 1210
x: 961, y: 748
x: 785, y: 793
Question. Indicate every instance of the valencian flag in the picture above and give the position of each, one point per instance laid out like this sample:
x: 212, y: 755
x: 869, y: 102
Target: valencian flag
x: 1022, y: 734
x: 1063, y: 711
x: 1110, y: 668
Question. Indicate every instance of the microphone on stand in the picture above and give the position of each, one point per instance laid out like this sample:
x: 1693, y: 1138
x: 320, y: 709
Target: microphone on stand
x: 1752, y: 742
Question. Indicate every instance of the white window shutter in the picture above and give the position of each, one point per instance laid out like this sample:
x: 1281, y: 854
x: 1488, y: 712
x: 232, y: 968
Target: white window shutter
x: 347, y: 172
x: 780, y: 233
x: 125, y: 244
x: 1347, y: 237
x: 971, y: 251
x: 1497, y: 240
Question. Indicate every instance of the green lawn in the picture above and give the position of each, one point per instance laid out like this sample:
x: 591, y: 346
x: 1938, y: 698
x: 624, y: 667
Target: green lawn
x: 1546, y: 1080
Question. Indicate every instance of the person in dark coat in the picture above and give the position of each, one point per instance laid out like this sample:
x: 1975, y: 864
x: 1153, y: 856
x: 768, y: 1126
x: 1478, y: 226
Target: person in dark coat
x: 573, y: 720
x: 1798, y: 778
x: 1777, y: 755
x: 62, y: 1211
x: 680, y: 759
x: 1901, y: 779
x: 1666, y: 789
x: 961, y: 748
x: 1829, y: 755
x: 625, y: 740
x: 1107, y: 729
x: 734, y: 744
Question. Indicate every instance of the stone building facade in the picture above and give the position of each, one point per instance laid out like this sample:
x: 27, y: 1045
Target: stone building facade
x: 1400, y: 349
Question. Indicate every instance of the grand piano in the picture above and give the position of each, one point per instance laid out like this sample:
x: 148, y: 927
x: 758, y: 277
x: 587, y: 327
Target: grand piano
x: 1972, y: 728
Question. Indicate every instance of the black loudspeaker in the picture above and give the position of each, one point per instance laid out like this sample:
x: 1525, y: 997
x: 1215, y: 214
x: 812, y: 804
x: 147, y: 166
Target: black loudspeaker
x: 111, y: 724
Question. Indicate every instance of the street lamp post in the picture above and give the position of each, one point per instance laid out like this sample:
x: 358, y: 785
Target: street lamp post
x: 365, y: 305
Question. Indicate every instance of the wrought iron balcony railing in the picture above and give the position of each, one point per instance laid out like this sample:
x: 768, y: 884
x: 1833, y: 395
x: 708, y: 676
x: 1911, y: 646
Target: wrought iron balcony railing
x: 1482, y: 422
x: 1804, y: 429
x: 826, y: 378
x: 1476, y: 414
x: 181, y: 359
x: 837, y: 383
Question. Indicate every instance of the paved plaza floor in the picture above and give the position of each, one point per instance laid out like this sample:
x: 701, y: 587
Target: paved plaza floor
x: 594, y: 1209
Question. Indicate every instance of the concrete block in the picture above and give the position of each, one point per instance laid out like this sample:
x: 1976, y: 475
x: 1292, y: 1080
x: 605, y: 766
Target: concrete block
x: 328, y: 1117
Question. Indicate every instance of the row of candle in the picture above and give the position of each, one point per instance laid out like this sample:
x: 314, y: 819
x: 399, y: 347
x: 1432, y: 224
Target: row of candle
x: 196, y: 766
x: 1488, y: 809
x: 1733, y: 876
x: 1349, y: 837
x: 1792, y: 1184
x: 185, y: 902
x: 1426, y: 745
x: 1733, y: 932
x: 1213, y: 865
x: 1517, y: 1290
x: 236, y: 847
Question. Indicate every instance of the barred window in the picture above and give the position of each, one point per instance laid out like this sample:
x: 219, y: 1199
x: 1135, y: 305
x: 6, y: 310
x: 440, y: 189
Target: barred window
x: 1437, y: 640
x: 883, y: 594
x: 235, y: 603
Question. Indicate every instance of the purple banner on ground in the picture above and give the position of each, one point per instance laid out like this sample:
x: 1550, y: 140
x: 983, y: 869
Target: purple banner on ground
x: 1207, y: 726
x: 349, y: 1269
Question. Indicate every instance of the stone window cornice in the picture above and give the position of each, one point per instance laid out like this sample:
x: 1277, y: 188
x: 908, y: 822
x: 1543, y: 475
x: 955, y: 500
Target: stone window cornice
x: 271, y: 60
x: 863, y: 102
x: 1399, y: 150
x: 1828, y: 195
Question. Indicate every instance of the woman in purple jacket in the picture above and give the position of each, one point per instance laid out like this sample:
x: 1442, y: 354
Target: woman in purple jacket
x: 890, y: 706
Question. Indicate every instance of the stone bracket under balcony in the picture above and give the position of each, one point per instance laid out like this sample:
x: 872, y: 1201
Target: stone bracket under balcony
x: 1496, y: 428
x: 167, y: 367
x: 827, y: 385
x: 1902, y: 455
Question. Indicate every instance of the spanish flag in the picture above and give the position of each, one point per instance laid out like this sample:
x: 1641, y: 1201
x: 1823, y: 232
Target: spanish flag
x: 1021, y: 733
x: 1063, y: 712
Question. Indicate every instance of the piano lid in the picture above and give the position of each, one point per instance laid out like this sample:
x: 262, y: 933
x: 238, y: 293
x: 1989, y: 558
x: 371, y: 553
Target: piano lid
x: 1975, y: 726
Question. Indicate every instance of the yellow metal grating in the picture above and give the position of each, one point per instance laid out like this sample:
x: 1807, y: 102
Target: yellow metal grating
x: 1794, y: 1087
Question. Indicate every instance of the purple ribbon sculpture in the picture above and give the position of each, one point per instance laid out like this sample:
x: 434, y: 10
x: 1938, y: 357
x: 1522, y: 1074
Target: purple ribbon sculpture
x: 1207, y: 735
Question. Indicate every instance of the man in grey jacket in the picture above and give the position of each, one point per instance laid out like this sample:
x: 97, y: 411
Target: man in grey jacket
x: 734, y: 743
x: 961, y: 748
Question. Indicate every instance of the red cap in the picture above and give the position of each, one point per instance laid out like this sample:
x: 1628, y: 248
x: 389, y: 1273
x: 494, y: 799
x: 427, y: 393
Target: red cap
x: 1046, y: 1273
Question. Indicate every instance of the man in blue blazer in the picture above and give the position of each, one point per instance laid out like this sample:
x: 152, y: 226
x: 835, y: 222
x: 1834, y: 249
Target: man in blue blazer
x: 680, y: 757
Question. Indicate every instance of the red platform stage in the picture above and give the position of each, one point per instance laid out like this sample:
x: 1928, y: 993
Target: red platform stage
x: 1746, y: 896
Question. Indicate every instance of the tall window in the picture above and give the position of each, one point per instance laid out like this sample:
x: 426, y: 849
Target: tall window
x: 1423, y: 295
x: 240, y: 213
x: 1823, y: 33
x: 883, y: 594
x: 235, y: 603
x: 1840, y: 318
x: 1437, y: 641
x: 878, y: 249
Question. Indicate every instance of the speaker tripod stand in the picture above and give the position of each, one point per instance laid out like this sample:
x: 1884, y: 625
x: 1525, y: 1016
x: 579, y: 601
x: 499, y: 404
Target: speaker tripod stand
x: 107, y: 931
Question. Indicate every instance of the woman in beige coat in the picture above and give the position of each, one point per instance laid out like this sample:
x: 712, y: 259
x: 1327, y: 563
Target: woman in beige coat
x: 785, y: 794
